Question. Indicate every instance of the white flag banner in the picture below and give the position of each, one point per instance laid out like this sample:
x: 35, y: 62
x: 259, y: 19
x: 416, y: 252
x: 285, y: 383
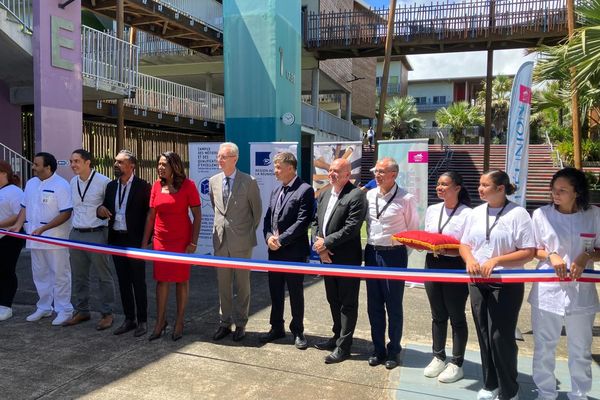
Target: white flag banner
x: 517, y: 142
x: 203, y: 165
x: 261, y: 168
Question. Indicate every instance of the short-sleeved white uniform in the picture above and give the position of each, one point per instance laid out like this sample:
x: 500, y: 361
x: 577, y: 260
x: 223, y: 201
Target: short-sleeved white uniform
x: 43, y: 201
x: 11, y: 197
x: 512, y: 232
x: 455, y: 227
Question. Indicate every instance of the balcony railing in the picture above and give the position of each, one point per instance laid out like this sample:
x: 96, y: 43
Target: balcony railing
x: 329, y: 123
x: 162, y: 96
x: 392, y: 88
x: 324, y: 98
x: 19, y: 164
x: 430, y: 107
x: 21, y: 10
x: 151, y: 45
x: 207, y: 11
x: 108, y: 60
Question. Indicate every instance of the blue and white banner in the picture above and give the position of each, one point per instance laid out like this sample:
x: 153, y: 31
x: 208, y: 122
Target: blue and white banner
x: 517, y: 142
x: 261, y: 167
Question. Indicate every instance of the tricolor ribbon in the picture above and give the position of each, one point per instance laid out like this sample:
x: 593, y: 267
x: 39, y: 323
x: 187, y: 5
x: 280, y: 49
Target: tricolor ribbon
x: 351, y: 271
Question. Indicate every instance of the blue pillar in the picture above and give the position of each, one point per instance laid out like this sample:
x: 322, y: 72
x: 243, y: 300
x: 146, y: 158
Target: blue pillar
x: 262, y: 45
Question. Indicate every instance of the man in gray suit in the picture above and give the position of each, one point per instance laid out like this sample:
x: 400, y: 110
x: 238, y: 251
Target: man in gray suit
x: 236, y: 200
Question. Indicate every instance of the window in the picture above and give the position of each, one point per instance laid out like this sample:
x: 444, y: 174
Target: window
x: 439, y: 99
x: 420, y: 100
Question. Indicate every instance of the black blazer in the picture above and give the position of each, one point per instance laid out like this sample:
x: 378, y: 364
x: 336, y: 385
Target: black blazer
x: 138, y: 203
x: 342, y: 236
x: 293, y: 221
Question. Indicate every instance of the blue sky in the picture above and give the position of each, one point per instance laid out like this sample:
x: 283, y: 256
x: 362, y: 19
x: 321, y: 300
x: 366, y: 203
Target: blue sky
x: 451, y: 65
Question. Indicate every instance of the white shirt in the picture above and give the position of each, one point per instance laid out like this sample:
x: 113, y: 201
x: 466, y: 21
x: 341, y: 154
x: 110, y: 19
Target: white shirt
x: 11, y: 197
x: 120, y: 223
x: 399, y: 216
x: 557, y: 232
x: 454, y: 226
x: 512, y: 232
x: 333, y: 199
x: 43, y: 201
x: 84, y: 211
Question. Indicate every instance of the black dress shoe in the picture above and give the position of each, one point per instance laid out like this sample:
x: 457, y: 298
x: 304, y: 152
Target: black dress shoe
x: 239, y: 334
x: 375, y: 360
x: 338, y: 355
x: 392, y: 362
x: 221, y: 333
x: 329, y: 344
x: 157, y: 335
x: 271, y: 335
x: 141, y: 329
x: 300, y: 341
x: 128, y: 325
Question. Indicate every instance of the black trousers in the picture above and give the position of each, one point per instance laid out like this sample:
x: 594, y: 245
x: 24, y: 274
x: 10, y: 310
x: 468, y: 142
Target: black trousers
x: 342, y: 296
x: 295, y: 286
x: 496, y: 309
x: 132, y: 281
x: 447, y: 301
x: 10, y: 249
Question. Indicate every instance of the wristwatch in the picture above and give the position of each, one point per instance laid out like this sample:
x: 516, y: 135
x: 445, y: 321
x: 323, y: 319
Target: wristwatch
x: 548, y: 256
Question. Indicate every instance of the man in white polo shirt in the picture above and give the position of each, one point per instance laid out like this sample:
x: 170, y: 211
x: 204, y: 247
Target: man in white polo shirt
x: 87, y: 189
x: 46, y: 210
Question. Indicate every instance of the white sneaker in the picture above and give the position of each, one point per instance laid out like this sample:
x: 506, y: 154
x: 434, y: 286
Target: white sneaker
x: 61, y: 318
x: 451, y: 373
x: 487, y: 394
x: 435, y: 367
x: 39, y: 314
x: 5, y: 313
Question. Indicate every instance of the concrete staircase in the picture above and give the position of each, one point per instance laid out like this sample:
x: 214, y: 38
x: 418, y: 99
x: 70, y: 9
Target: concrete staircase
x: 468, y: 161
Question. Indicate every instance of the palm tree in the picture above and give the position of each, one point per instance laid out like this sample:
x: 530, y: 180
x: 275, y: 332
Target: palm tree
x: 501, y: 89
x: 457, y: 117
x: 401, y: 118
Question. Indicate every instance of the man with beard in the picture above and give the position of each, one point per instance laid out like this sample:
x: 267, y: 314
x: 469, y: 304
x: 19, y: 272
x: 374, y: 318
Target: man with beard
x: 126, y: 205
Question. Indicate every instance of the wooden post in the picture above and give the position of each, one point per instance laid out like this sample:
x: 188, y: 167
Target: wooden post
x: 384, y: 78
x: 576, y: 125
x: 120, y: 104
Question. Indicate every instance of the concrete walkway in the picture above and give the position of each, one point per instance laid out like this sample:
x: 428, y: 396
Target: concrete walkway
x: 38, y: 360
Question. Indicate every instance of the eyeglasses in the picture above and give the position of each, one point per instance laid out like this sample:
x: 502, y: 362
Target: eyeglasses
x: 379, y: 172
x: 221, y: 157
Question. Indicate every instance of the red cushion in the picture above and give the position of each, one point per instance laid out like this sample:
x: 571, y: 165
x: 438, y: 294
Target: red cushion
x: 422, y: 240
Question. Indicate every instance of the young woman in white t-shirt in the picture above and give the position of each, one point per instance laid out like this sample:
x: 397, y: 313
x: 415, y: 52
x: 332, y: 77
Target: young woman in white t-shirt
x: 11, y: 197
x: 567, y: 235
x: 447, y: 300
x: 498, y: 235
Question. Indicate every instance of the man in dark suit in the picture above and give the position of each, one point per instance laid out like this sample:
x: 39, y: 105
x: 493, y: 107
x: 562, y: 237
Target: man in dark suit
x: 286, y: 223
x: 341, y: 211
x: 126, y: 205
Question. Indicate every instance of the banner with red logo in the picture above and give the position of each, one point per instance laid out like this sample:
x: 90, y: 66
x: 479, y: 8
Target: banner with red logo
x: 517, y: 140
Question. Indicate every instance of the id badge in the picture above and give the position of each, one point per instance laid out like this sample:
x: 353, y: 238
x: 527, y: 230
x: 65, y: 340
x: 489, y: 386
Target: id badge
x: 47, y: 197
x: 119, y: 218
x: 588, y: 240
x: 376, y: 229
x: 486, y: 251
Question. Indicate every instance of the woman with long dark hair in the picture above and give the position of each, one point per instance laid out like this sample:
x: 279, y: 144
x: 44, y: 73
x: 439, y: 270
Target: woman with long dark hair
x: 447, y: 300
x: 567, y: 235
x: 11, y: 197
x: 171, y: 199
x: 498, y: 235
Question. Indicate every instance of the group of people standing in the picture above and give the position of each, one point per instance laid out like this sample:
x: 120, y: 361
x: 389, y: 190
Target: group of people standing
x: 494, y: 236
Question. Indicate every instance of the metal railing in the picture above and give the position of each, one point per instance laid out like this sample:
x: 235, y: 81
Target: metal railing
x: 392, y: 88
x: 329, y: 123
x: 151, y: 45
x: 19, y: 164
x: 438, y: 20
x: 207, y: 11
x: 554, y: 153
x: 429, y: 107
x: 162, y: 96
x: 107, y: 59
x: 21, y: 10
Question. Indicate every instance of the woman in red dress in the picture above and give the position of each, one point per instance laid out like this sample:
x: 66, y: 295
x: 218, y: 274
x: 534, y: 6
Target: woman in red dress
x: 171, y: 199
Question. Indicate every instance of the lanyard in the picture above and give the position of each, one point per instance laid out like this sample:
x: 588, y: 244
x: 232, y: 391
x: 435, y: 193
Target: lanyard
x: 386, y: 204
x: 122, y: 196
x: 82, y: 196
x: 440, y: 226
x: 488, y: 229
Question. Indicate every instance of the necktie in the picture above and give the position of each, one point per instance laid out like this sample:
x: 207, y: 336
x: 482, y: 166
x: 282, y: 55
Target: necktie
x: 277, y: 210
x: 226, y: 190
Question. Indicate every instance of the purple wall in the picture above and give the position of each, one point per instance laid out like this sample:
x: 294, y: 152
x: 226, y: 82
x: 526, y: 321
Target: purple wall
x: 10, y: 115
x: 57, y: 91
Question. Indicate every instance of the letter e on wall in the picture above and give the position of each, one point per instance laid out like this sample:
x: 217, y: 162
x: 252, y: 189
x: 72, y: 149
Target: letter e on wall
x: 59, y: 42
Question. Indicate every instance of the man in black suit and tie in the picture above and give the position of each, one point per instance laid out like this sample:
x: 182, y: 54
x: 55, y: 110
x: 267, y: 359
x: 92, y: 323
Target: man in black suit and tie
x: 341, y: 211
x: 286, y: 223
x: 126, y: 204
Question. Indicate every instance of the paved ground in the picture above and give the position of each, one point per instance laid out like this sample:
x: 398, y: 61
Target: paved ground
x: 41, y: 361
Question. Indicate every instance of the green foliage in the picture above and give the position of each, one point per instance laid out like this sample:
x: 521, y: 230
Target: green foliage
x: 458, y: 116
x: 401, y: 118
x: 593, y: 180
x: 590, y: 150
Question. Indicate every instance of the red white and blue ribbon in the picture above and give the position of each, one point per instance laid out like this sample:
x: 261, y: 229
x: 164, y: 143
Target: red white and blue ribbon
x: 408, y: 274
